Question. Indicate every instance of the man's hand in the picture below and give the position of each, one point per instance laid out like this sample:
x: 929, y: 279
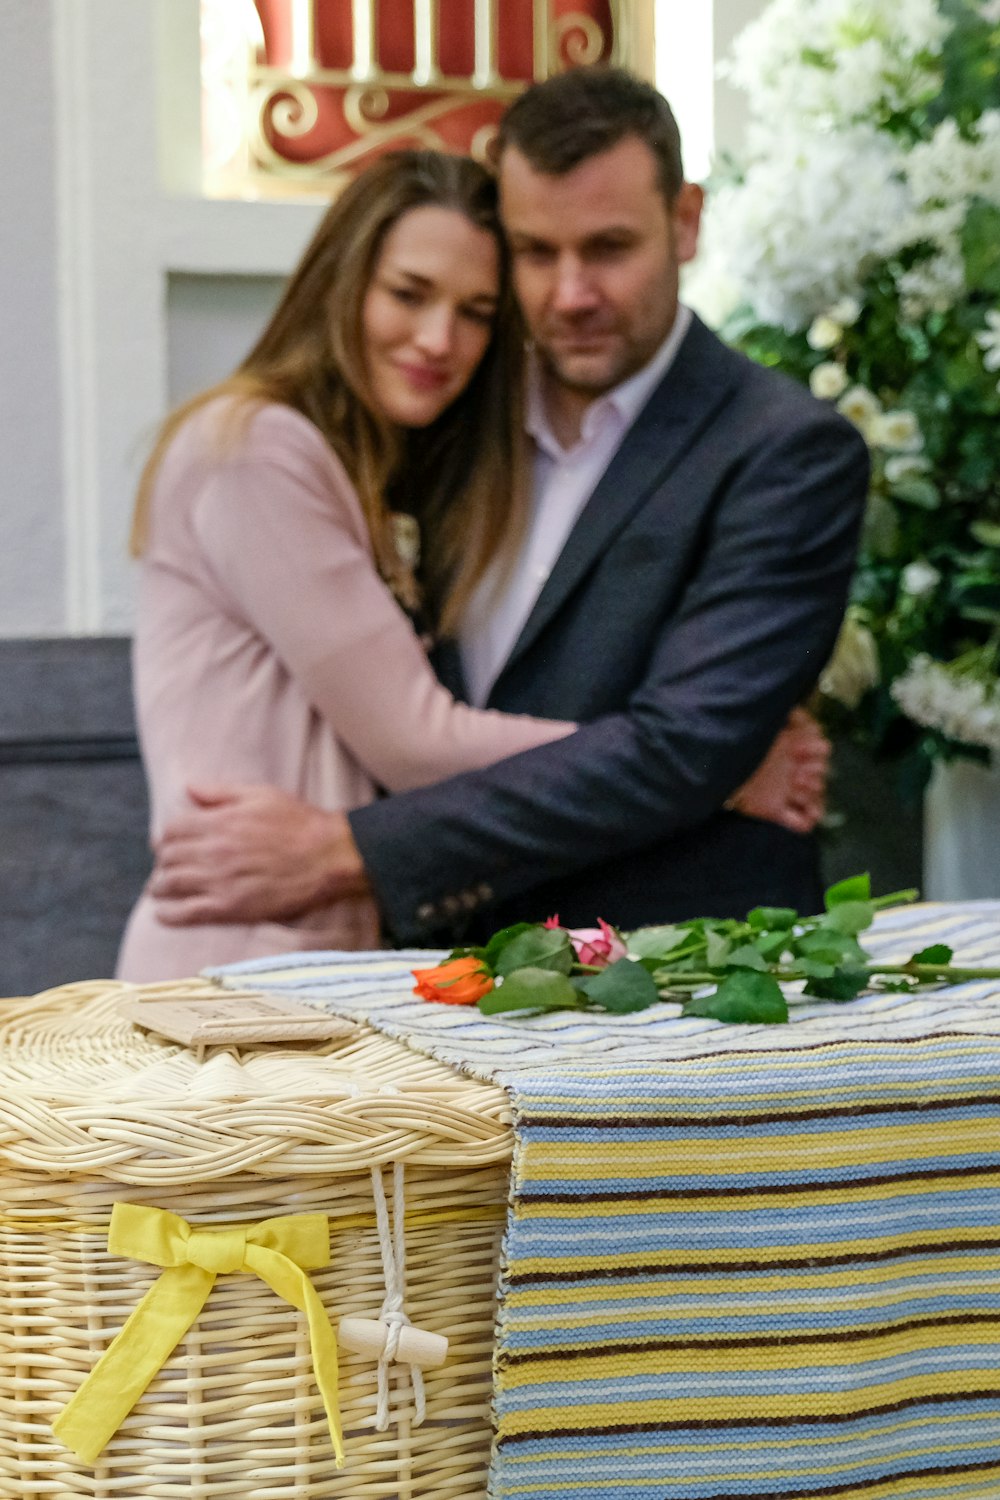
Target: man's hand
x: 789, y: 785
x: 252, y: 854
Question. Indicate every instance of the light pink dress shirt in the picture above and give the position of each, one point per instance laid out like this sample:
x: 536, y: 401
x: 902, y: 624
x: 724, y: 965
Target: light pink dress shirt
x: 269, y: 650
x: 563, y: 479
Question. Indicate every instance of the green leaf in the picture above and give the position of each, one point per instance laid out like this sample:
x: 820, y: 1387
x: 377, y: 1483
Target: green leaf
x: 745, y: 996
x: 937, y: 953
x: 499, y: 940
x: 829, y: 946
x: 854, y: 888
x: 850, y: 917
x: 771, y: 945
x: 986, y: 532
x: 745, y: 957
x: 815, y: 968
x: 843, y: 984
x: 531, y: 989
x: 981, y: 247
x: 772, y: 917
x: 656, y: 942
x: 537, y: 948
x: 922, y: 493
x: 717, y: 950
x: 622, y: 987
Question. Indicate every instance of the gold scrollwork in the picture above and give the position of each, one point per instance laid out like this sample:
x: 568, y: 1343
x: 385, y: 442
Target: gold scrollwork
x: 364, y: 106
x: 358, y: 104
x: 576, y: 40
x: 294, y: 111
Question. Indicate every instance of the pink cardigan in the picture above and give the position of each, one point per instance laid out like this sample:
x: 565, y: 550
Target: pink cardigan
x: 268, y: 649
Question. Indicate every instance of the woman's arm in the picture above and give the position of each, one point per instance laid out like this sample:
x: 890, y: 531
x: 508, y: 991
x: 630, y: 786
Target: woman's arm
x: 281, y: 530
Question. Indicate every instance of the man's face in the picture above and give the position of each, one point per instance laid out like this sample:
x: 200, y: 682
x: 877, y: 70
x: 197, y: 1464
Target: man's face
x: 596, y: 257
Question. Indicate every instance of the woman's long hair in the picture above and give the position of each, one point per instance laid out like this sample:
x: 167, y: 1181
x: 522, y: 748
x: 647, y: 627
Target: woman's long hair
x: 462, y: 477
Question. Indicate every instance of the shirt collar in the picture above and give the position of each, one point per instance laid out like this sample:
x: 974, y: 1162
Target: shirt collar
x: 622, y: 404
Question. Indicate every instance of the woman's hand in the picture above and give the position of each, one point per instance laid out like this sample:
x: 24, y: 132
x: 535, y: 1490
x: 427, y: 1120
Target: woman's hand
x: 789, y: 785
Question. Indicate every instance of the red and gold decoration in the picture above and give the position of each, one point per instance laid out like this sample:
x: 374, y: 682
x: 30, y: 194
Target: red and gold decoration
x: 331, y: 83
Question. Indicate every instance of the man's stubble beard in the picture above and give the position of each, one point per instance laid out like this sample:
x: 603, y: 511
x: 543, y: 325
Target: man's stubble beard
x: 556, y: 371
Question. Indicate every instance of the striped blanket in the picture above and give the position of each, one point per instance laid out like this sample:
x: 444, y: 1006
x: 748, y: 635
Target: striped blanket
x: 740, y: 1261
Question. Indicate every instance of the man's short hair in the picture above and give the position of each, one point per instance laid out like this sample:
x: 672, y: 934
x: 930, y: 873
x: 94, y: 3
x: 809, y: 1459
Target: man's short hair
x: 565, y: 120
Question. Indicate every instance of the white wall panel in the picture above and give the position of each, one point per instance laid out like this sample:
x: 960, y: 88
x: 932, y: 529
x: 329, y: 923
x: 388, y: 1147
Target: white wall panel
x: 31, y: 476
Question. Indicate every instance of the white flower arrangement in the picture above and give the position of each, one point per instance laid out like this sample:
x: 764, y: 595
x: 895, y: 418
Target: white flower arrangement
x: 958, y: 704
x: 857, y: 246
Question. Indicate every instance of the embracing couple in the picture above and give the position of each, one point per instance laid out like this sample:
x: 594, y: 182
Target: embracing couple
x: 628, y: 603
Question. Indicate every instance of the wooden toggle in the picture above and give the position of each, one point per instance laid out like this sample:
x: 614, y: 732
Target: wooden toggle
x: 416, y: 1346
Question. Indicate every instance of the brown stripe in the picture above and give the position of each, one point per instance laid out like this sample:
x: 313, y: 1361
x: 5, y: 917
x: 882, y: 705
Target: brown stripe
x: 747, y: 1117
x: 957, y: 1320
x: 722, y: 1424
x: 760, y: 1189
x: 734, y: 1268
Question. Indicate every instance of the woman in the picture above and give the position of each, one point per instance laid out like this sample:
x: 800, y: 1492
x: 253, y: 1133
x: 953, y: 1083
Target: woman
x: 275, y: 524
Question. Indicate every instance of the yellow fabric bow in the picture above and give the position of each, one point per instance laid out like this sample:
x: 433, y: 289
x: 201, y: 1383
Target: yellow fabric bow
x: 279, y: 1251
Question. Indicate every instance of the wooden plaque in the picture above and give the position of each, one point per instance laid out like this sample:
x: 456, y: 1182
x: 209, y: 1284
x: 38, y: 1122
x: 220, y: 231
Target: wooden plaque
x: 206, y: 1020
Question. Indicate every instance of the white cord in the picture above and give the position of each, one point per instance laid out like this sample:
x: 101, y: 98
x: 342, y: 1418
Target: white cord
x: 393, y: 1247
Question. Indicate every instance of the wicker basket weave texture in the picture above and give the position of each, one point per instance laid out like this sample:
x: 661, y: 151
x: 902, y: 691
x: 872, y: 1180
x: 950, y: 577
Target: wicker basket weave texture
x: 94, y: 1112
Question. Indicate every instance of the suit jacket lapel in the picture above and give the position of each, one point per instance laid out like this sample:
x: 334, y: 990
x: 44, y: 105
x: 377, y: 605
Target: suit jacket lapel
x: 697, y: 383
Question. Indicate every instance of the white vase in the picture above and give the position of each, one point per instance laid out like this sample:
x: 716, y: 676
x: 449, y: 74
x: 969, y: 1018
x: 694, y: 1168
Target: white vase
x: 962, y: 832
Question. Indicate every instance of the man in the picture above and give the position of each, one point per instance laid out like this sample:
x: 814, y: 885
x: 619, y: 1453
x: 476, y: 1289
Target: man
x: 678, y: 591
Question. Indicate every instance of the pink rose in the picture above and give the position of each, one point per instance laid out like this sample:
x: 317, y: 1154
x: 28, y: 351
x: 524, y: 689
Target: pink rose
x: 597, y: 946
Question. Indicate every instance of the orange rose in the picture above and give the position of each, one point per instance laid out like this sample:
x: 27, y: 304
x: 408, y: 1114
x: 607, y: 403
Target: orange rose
x: 459, y: 981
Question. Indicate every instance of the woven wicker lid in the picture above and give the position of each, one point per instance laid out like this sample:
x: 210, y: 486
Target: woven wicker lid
x: 83, y: 1090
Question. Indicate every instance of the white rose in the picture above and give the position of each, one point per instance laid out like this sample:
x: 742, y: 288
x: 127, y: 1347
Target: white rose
x: 920, y: 578
x: 897, y: 429
x: 827, y: 381
x: 854, y: 667
x: 846, y: 312
x: 824, y: 333
x: 862, y: 408
x: 905, y: 466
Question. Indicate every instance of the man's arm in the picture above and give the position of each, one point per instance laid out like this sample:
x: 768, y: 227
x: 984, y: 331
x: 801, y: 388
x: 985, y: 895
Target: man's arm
x: 256, y: 854
x: 252, y: 854
x: 752, y: 632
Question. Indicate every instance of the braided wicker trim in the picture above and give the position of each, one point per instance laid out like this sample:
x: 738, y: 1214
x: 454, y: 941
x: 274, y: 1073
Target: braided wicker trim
x: 84, y: 1091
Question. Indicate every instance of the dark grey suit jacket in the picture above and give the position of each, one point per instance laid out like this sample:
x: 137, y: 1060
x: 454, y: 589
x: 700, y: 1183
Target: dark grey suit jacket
x: 694, y: 603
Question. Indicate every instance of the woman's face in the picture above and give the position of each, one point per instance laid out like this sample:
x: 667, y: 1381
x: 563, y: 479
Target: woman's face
x: 428, y: 313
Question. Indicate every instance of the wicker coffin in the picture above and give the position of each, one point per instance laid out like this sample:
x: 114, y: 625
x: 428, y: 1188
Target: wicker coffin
x: 94, y: 1111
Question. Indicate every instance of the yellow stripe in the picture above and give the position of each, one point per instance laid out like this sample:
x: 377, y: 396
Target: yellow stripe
x: 753, y: 1307
x: 712, y: 1359
x: 975, y: 1266
x: 596, y: 1161
x: 734, y: 1409
x: 856, y: 1192
x: 758, y: 1254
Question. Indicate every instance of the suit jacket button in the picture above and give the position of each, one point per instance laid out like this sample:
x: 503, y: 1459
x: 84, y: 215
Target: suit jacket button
x: 469, y: 900
x: 484, y: 892
x: 451, y: 906
x: 427, y: 912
